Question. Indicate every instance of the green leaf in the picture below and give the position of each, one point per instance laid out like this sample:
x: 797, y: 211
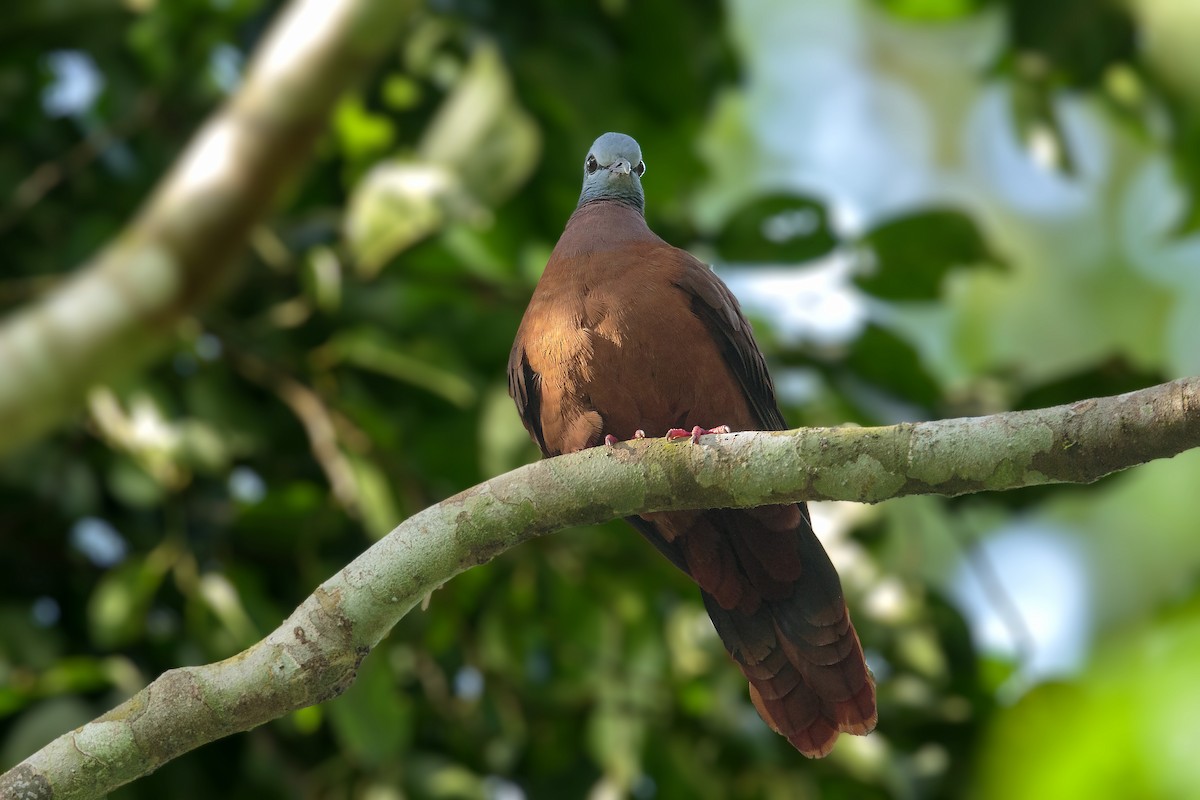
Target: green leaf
x: 395, y: 206
x: 372, y: 350
x: 778, y: 228
x: 1118, y: 732
x: 375, y: 498
x: 480, y: 146
x: 118, y: 605
x: 400, y: 92
x: 361, y: 133
x: 887, y: 362
x: 372, y: 720
x: 503, y: 442
x: 1077, y: 39
x: 41, y: 724
x: 931, y: 10
x: 482, y: 131
x: 77, y: 674
x: 1115, y: 376
x: 913, y: 253
x: 432, y: 776
x: 132, y: 484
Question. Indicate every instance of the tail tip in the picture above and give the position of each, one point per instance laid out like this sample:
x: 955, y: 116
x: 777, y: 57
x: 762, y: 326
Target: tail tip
x: 817, y: 737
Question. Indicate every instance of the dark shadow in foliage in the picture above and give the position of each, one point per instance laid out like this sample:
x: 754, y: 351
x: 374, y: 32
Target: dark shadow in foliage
x: 782, y: 228
x: 913, y: 253
x: 1115, y: 376
x: 891, y: 365
x: 1078, y: 39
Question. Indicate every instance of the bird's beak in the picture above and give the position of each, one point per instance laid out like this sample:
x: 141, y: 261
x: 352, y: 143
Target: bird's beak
x: 621, y: 167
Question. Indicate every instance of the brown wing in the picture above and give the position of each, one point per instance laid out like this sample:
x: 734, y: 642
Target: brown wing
x: 715, y: 306
x: 523, y: 388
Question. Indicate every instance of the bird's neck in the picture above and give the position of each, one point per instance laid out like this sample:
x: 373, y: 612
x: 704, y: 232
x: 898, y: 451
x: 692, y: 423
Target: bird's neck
x: 602, y: 225
x: 632, y: 198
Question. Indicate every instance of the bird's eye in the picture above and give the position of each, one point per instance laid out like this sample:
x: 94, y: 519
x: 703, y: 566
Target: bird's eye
x: 591, y: 165
x: 640, y: 169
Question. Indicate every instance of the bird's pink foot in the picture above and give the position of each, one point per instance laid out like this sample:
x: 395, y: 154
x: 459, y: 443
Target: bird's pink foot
x: 695, y: 433
x: 610, y: 440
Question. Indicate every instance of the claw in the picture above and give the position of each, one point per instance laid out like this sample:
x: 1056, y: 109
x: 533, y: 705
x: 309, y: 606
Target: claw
x: 695, y: 433
x: 610, y: 440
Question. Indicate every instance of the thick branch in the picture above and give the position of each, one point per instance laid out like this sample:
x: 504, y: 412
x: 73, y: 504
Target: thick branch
x: 313, y: 655
x: 117, y: 312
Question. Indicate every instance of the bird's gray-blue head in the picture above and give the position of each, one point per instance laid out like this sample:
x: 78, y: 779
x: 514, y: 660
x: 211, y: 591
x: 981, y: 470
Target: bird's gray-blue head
x: 613, y: 170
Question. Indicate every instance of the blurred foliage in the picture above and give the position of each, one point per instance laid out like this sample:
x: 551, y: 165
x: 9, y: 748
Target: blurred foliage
x: 354, y: 374
x: 914, y: 253
x: 778, y: 228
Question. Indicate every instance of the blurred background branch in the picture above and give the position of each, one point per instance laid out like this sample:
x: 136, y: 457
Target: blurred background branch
x: 121, y: 308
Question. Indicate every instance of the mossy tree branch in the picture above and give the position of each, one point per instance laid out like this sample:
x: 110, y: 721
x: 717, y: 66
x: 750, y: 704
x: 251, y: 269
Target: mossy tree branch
x: 313, y: 655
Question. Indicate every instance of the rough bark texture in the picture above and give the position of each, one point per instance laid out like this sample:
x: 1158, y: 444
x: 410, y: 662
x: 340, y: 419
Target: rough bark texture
x: 118, y: 311
x: 314, y: 654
